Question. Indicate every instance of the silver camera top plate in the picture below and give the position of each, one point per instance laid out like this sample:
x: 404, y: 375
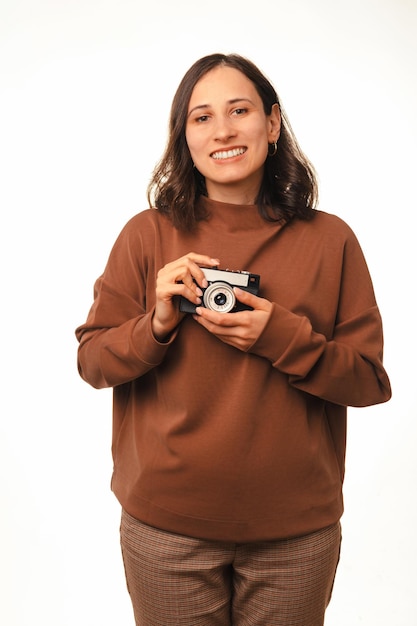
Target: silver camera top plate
x: 239, y: 279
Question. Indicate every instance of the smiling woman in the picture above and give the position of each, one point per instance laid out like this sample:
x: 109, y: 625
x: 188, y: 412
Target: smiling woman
x: 288, y: 185
x: 228, y: 137
x: 229, y: 425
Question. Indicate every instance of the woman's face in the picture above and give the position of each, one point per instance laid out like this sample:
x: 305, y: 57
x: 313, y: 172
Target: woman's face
x: 228, y: 132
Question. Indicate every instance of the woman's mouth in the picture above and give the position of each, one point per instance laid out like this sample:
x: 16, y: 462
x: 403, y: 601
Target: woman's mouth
x: 227, y: 154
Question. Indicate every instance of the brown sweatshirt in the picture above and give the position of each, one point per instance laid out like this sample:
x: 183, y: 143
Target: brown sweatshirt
x: 213, y: 442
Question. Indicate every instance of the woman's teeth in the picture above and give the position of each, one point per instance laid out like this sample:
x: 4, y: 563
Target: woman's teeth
x: 228, y: 154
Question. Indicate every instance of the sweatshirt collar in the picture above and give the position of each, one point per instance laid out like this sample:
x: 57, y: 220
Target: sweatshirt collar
x: 233, y: 217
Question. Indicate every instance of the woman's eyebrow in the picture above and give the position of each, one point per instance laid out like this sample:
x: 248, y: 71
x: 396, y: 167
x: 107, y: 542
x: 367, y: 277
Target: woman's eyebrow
x: 232, y: 101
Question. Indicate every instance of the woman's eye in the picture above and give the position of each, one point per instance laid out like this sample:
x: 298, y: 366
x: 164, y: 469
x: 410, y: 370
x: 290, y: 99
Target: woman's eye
x: 202, y: 118
x: 239, y: 111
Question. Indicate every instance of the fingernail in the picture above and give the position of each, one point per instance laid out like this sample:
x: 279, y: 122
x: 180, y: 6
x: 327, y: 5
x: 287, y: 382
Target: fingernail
x: 199, y: 292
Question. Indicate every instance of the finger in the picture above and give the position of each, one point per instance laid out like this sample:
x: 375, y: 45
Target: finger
x: 169, y: 291
x: 189, y: 268
x: 213, y: 319
x: 202, y: 259
x: 248, y: 298
x: 199, y: 262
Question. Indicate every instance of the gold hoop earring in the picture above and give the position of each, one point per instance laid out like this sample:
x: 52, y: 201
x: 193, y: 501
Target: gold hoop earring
x: 272, y: 149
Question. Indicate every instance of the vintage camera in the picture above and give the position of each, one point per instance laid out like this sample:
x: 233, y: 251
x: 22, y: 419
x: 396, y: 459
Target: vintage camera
x: 219, y: 295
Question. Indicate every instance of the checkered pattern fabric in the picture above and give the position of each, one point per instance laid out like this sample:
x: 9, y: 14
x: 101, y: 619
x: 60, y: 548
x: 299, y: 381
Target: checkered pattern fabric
x: 184, y: 581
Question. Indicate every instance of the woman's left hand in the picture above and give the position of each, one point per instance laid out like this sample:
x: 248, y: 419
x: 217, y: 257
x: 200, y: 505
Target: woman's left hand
x: 240, y: 329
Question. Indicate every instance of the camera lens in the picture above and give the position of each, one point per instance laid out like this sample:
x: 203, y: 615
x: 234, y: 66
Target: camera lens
x: 219, y: 297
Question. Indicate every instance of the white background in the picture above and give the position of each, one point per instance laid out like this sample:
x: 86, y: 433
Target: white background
x: 85, y: 91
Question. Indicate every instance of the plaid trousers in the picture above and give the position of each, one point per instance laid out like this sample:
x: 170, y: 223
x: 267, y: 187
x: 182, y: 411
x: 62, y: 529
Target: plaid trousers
x: 174, y: 580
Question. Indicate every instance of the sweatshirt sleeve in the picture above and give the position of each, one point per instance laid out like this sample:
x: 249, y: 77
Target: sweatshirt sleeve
x: 343, y: 366
x: 116, y: 343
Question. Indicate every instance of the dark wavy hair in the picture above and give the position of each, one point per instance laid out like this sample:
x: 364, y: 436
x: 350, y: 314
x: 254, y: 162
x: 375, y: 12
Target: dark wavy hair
x: 289, y: 186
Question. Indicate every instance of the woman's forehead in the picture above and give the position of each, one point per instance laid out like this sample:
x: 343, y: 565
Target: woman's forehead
x: 222, y: 83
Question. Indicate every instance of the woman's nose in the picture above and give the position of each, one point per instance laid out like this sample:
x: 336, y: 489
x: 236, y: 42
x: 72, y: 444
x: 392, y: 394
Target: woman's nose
x: 224, y: 128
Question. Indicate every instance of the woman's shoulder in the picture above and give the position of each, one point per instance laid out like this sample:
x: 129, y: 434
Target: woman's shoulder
x: 325, y: 230
x: 330, y: 224
x: 145, y: 222
x: 142, y: 229
x: 149, y: 216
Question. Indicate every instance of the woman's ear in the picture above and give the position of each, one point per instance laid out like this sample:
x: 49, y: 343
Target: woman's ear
x: 274, y: 123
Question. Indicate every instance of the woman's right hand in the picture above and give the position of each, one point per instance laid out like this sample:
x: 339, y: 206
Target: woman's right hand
x: 182, y: 277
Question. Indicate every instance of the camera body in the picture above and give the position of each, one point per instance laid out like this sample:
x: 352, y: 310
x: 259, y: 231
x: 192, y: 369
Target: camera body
x: 218, y: 295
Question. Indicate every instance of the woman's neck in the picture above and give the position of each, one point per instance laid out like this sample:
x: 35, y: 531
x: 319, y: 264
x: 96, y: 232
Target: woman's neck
x: 233, y: 193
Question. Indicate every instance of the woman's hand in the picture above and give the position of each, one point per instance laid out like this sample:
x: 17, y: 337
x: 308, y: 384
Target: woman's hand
x: 181, y: 277
x: 240, y: 329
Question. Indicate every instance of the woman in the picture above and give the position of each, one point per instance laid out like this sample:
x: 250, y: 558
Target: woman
x: 229, y: 427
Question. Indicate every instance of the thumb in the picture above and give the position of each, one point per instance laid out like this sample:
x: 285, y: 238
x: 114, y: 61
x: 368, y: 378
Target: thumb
x: 247, y: 298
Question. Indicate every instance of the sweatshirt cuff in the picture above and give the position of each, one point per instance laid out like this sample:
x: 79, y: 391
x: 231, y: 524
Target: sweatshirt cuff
x: 289, y: 342
x: 149, y: 349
